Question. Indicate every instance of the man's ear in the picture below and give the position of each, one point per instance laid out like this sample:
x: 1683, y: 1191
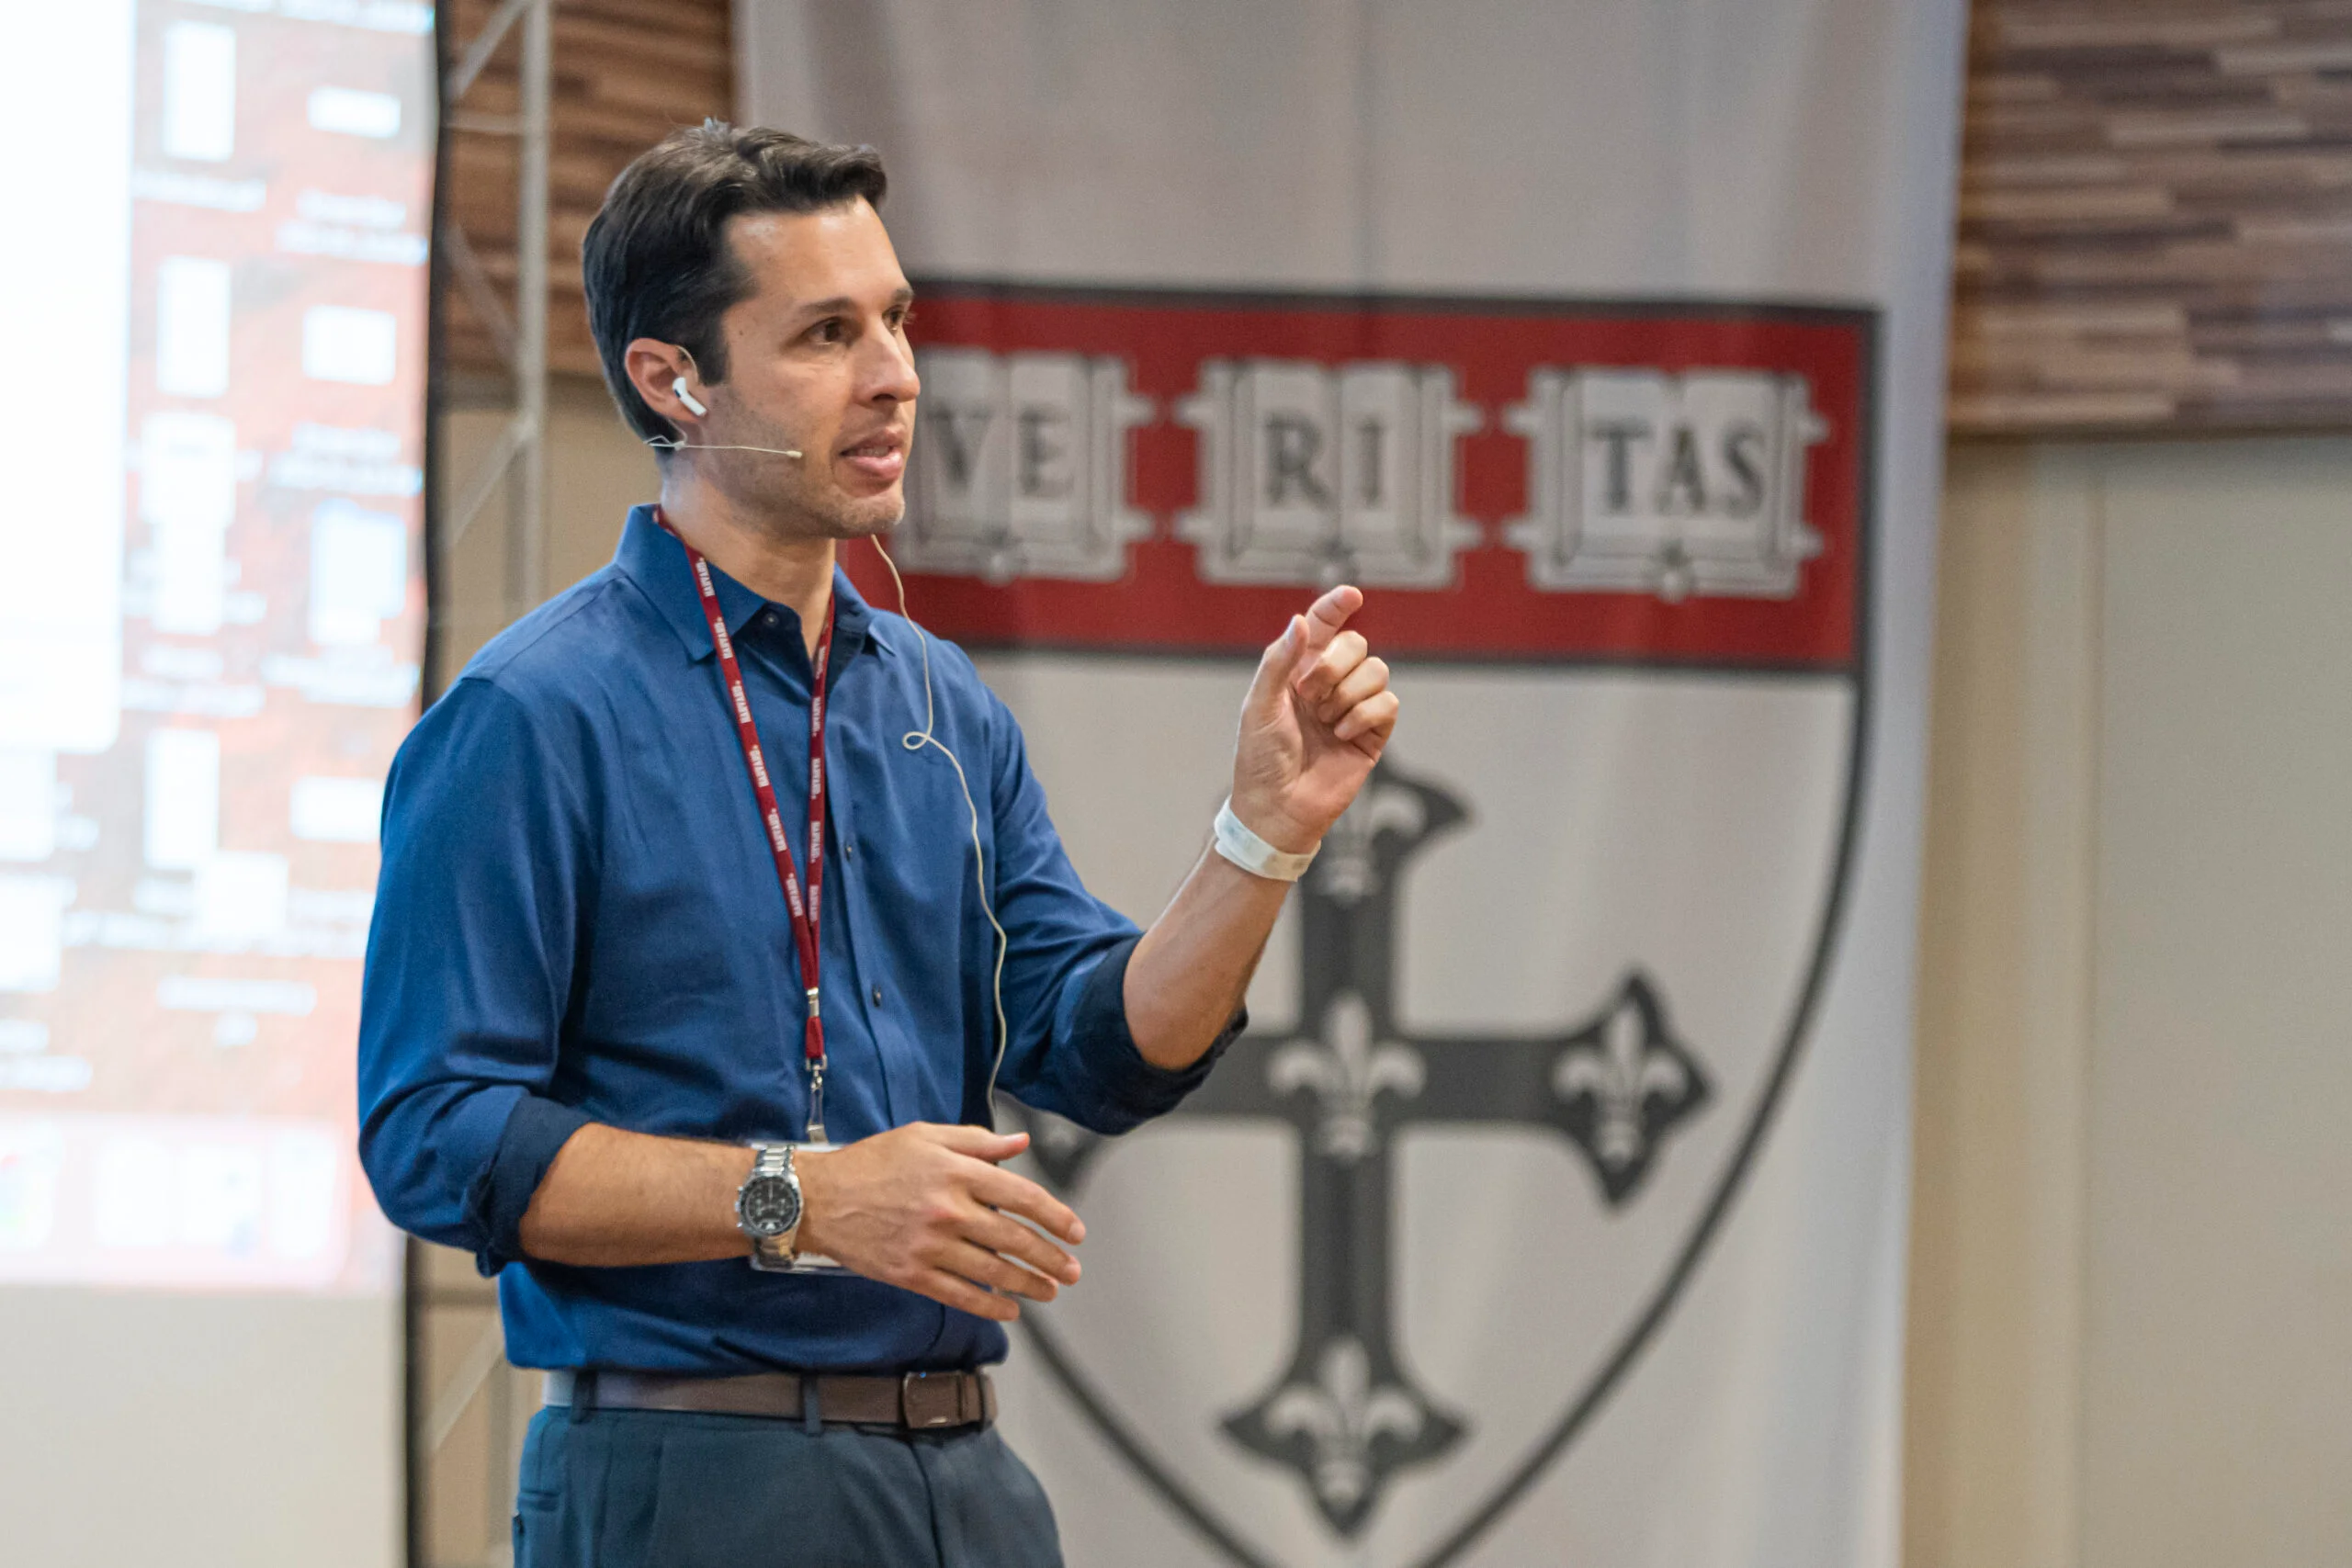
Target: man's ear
x: 654, y: 369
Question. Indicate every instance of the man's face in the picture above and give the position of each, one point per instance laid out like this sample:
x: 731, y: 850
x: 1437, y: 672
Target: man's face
x: 817, y: 360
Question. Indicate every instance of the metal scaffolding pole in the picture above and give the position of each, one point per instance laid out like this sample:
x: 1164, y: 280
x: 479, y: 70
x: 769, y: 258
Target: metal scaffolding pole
x: 516, y: 461
x: 527, y: 526
x: 444, y: 1315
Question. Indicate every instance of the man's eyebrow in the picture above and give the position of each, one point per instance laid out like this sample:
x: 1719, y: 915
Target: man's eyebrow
x: 842, y: 304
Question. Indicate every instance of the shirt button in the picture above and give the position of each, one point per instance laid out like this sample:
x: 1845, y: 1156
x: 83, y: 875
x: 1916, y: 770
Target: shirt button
x: 877, y: 996
x: 849, y: 848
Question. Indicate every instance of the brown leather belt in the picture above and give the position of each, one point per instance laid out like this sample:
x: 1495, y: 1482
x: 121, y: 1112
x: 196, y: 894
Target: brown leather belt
x: 916, y: 1401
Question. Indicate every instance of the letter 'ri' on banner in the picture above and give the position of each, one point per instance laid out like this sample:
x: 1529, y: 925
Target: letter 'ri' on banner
x: 1316, y: 474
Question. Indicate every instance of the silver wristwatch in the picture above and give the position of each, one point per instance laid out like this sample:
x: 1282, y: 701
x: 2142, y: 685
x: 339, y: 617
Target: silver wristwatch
x: 767, y: 1208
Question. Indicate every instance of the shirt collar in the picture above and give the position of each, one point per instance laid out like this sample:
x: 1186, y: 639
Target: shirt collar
x: 652, y: 557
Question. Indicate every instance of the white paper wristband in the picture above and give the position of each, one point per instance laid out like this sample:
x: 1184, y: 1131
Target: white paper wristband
x: 1237, y: 843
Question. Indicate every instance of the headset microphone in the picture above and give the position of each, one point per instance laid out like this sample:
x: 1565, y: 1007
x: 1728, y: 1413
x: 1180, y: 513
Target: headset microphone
x: 695, y: 406
x: 671, y: 444
x: 679, y: 443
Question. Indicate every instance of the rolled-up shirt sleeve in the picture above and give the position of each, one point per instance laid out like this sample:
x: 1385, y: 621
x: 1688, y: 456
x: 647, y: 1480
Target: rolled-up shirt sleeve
x: 470, y: 958
x: 1070, y: 1050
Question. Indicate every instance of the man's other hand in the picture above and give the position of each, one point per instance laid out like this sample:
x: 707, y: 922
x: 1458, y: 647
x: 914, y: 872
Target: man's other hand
x: 1315, y: 722
x: 925, y: 1207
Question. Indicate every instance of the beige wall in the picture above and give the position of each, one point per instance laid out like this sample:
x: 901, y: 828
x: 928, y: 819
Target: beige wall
x: 2004, y: 1019
x: 2132, y: 1296
x: 596, y: 472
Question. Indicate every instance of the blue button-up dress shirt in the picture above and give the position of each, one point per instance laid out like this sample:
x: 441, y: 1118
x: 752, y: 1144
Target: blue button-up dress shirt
x: 579, y: 921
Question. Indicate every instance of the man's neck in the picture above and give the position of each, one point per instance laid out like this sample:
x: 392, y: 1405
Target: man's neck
x: 794, y: 572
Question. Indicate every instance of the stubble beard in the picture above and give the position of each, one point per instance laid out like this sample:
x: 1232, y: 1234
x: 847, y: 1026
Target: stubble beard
x: 798, y: 498
x: 844, y: 517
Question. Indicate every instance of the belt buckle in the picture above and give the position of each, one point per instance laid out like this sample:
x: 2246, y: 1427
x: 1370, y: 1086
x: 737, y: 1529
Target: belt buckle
x: 931, y: 1400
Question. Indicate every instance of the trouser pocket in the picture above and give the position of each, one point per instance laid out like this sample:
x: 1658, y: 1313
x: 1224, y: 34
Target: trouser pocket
x: 542, y: 1498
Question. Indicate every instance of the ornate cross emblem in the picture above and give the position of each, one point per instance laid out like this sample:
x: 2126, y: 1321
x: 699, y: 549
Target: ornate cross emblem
x: 1346, y: 1413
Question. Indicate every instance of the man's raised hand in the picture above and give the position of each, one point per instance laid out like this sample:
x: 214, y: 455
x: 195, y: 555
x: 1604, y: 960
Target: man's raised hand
x: 1317, y: 718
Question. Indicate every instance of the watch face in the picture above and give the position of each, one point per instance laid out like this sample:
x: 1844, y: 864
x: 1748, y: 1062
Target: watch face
x: 770, y: 1205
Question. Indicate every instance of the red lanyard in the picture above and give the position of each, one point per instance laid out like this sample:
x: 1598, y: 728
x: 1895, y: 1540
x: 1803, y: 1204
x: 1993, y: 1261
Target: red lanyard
x: 804, y: 912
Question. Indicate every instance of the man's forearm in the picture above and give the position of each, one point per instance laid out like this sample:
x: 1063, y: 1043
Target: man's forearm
x: 923, y: 1207
x: 1318, y: 716
x: 613, y: 1200
x: 1188, y: 974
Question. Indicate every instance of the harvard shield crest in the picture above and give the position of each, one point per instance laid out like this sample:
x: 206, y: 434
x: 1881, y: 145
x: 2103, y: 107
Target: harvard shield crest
x: 1523, y: 1027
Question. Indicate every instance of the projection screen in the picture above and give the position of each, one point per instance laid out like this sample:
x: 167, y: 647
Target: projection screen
x: 211, y: 618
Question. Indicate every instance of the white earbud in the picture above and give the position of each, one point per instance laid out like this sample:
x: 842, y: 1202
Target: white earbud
x: 678, y: 443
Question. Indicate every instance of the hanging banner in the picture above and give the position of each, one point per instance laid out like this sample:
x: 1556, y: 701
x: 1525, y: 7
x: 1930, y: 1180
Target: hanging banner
x: 1552, y: 1209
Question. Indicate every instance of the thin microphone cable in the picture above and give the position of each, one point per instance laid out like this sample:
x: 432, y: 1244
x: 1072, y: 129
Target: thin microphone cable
x: 915, y: 740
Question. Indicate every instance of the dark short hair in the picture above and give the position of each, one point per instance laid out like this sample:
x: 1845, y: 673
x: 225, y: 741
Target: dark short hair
x: 656, y: 261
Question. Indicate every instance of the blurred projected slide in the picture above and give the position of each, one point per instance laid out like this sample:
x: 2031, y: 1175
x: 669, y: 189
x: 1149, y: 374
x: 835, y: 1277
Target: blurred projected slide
x: 211, y: 609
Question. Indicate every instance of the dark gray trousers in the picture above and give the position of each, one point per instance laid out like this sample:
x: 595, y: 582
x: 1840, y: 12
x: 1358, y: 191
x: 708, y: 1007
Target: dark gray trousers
x: 651, y: 1489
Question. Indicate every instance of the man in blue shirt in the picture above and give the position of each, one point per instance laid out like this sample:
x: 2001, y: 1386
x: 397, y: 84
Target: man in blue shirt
x: 647, y: 1032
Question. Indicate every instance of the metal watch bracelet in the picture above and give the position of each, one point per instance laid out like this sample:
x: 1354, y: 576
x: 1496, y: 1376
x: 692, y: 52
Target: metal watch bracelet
x: 772, y: 1251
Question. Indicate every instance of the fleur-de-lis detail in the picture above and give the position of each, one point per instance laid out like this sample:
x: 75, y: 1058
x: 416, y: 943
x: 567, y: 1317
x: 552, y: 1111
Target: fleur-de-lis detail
x: 1635, y: 1080
x: 1619, y: 1075
x: 1346, y: 866
x: 1340, y: 1415
x: 1348, y: 1072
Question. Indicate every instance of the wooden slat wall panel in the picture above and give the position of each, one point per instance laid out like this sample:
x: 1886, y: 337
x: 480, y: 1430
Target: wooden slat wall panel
x: 2156, y: 206
x: 626, y: 73
x: 2155, y: 217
